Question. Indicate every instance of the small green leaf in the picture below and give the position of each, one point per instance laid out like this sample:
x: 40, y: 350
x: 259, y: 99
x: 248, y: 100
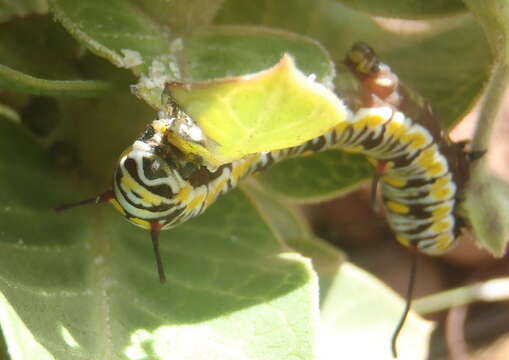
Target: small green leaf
x: 29, y: 63
x: 273, y: 109
x: 409, y: 9
x: 19, y: 8
x: 486, y: 199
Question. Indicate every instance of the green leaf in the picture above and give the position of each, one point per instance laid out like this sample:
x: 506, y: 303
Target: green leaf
x: 132, y: 34
x: 115, y: 30
x: 221, y: 51
x: 226, y: 51
x: 487, y: 211
x: 410, y: 9
x: 355, y: 307
x: 450, y: 69
x: 20, y: 8
x: 319, y: 177
x: 84, y: 283
x: 32, y: 63
x: 274, y: 109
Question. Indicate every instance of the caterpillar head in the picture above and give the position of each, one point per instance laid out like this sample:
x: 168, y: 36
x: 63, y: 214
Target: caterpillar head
x: 144, y: 186
x: 150, y: 178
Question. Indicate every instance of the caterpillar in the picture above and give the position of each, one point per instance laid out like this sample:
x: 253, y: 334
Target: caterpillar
x: 156, y: 186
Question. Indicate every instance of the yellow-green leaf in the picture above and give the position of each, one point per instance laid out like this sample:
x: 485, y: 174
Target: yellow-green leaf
x: 273, y: 109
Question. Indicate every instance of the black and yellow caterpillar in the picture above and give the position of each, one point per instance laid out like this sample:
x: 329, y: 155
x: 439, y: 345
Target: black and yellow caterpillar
x: 157, y: 187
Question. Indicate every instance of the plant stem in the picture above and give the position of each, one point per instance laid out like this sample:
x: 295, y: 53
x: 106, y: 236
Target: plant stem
x: 494, y: 97
x: 493, y: 16
x: 492, y: 290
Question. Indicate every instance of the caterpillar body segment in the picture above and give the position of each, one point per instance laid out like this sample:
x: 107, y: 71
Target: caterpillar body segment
x: 421, y: 184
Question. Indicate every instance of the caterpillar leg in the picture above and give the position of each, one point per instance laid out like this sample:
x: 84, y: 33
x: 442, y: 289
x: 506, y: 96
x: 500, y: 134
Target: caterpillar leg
x: 155, y: 229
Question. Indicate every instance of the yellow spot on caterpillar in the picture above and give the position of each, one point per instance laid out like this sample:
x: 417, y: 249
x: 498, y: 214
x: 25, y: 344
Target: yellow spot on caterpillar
x: 214, y: 193
x: 117, y: 206
x: 394, y: 181
x: 131, y: 185
x: 441, y: 211
x: 403, y: 240
x: 371, y: 121
x: 397, y: 207
x: 397, y: 126
x: 442, y: 188
x: 355, y: 149
x: 441, y: 226
x: 197, y: 201
x: 140, y: 222
x: 341, y: 127
x: 241, y: 169
x: 438, y: 167
x: 444, y: 240
x: 183, y: 195
x: 427, y: 157
x: 416, y: 140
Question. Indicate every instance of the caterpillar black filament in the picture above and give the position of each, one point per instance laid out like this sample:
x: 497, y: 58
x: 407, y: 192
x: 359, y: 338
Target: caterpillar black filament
x: 157, y: 187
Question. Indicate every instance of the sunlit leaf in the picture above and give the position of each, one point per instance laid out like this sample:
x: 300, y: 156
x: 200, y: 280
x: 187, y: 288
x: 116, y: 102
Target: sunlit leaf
x: 273, y: 109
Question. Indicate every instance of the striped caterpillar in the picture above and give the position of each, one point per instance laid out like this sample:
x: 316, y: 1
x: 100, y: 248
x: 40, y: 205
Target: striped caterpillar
x: 157, y: 187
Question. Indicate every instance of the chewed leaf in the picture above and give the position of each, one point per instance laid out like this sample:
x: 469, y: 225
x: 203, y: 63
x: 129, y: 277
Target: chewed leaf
x: 273, y: 109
